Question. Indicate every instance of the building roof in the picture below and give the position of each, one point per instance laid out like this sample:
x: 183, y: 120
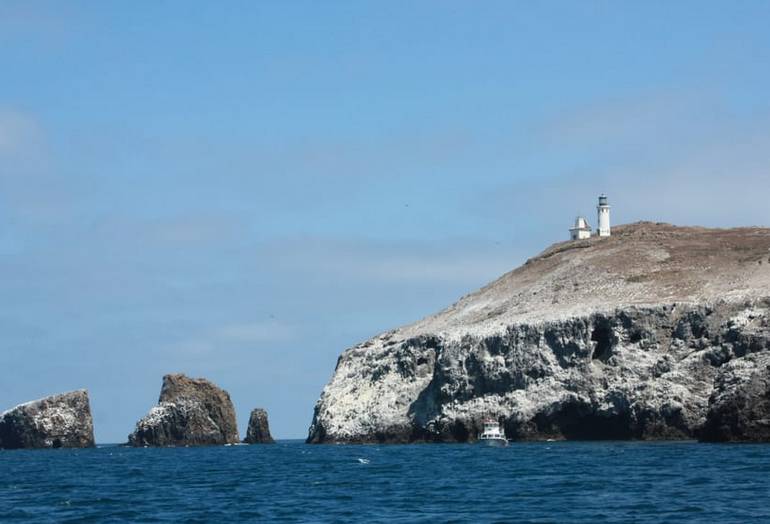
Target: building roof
x: 581, y: 224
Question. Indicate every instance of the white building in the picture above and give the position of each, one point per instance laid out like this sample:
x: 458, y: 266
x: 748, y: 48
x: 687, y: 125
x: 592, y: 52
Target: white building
x: 603, y: 210
x: 580, y: 230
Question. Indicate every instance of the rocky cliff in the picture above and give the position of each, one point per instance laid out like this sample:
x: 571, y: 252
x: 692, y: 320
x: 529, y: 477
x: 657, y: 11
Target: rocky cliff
x: 259, y: 430
x: 59, y: 421
x: 190, y: 412
x: 658, y: 332
x: 739, y: 407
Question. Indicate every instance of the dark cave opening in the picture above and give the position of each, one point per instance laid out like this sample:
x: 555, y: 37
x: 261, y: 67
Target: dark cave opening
x: 604, y: 338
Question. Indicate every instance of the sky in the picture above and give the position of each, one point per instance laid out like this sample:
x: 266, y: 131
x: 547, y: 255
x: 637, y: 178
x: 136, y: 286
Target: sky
x: 242, y: 190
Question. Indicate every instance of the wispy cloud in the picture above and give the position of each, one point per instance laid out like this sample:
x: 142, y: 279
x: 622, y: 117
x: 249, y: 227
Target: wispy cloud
x: 31, y: 23
x: 443, y: 261
x: 257, y: 332
x: 258, y: 335
x: 642, y: 118
x: 20, y: 136
x: 682, y: 157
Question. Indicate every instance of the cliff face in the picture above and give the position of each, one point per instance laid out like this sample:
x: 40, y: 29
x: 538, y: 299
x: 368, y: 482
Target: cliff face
x: 631, y: 336
x: 739, y: 408
x: 190, y: 412
x: 259, y: 429
x: 59, y: 421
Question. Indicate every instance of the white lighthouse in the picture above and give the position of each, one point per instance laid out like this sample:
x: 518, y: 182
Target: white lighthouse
x: 603, y: 210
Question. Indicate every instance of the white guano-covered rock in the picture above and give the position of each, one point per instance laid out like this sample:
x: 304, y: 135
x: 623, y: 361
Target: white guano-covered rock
x: 619, y: 337
x: 58, y: 421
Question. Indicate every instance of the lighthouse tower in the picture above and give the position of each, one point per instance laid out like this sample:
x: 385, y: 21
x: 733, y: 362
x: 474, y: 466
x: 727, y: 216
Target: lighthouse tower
x: 603, y: 210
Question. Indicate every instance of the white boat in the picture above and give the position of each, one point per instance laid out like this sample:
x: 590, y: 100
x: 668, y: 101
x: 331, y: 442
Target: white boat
x: 493, y: 434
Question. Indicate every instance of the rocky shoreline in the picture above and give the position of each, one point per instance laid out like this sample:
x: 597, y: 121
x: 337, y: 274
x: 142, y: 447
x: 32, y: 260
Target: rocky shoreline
x: 656, y: 333
x: 645, y: 374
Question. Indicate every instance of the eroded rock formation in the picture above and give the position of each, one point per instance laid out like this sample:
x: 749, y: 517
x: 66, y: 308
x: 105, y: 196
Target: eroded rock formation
x: 259, y: 430
x: 58, y: 421
x: 739, y: 409
x: 190, y: 412
x: 636, y: 336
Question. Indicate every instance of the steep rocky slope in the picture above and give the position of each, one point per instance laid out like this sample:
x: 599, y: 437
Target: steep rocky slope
x: 620, y: 337
x: 190, y: 412
x: 58, y: 421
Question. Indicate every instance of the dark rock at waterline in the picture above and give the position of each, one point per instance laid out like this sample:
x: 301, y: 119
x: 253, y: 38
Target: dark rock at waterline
x: 739, y: 408
x: 259, y: 430
x: 58, y: 421
x: 190, y: 412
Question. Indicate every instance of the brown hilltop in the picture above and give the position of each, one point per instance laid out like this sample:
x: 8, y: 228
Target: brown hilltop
x: 641, y: 264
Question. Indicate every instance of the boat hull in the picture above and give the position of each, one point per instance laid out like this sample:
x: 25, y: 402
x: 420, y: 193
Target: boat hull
x: 494, y: 442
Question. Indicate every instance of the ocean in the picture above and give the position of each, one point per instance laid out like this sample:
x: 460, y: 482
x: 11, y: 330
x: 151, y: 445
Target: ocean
x: 294, y: 482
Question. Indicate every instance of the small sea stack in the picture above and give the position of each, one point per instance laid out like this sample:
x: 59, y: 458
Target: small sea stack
x: 58, y: 421
x: 190, y: 412
x: 259, y: 429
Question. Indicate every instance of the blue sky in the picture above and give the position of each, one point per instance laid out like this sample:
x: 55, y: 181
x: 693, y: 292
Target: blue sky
x: 241, y: 190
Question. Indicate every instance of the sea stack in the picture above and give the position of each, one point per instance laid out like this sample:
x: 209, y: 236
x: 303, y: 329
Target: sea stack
x: 190, y: 412
x: 259, y: 430
x: 58, y: 421
x: 654, y: 332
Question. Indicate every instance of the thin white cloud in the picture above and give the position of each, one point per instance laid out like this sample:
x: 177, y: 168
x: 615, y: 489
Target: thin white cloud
x: 38, y: 23
x: 256, y: 332
x: 682, y: 157
x: 222, y: 339
x: 191, y: 348
x: 450, y: 261
x: 20, y: 135
x: 435, y: 269
x: 643, y: 118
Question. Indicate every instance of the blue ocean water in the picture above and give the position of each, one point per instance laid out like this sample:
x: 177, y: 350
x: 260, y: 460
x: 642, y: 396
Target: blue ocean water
x: 294, y: 482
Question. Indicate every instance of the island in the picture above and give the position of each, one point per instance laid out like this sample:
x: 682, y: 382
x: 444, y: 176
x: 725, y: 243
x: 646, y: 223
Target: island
x: 653, y: 332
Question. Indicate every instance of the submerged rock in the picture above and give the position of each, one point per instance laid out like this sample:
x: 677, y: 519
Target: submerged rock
x: 58, y: 421
x: 259, y: 430
x: 608, y: 338
x: 190, y: 412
